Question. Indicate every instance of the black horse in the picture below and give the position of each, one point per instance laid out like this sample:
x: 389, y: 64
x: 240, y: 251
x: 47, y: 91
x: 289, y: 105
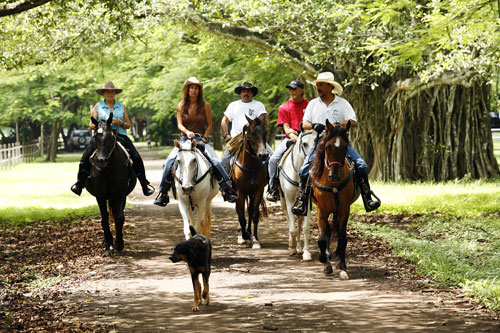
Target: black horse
x: 111, y: 179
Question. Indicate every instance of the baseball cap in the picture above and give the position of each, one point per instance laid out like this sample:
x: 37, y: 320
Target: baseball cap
x: 295, y: 84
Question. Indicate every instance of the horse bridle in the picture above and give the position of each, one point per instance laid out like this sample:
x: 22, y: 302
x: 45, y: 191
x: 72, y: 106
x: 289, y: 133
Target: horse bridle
x: 301, y: 147
x: 195, y: 174
x: 115, y: 136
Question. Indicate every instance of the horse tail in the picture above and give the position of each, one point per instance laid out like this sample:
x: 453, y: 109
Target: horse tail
x: 263, y: 208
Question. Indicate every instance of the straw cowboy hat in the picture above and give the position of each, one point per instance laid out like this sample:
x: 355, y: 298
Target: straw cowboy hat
x: 190, y: 81
x: 108, y: 86
x: 246, y: 85
x: 328, y: 78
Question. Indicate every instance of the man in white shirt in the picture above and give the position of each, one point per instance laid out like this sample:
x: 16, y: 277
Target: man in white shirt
x: 236, y: 112
x: 337, y: 110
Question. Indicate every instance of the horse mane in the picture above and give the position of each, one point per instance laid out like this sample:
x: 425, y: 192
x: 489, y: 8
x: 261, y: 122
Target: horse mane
x: 318, y: 162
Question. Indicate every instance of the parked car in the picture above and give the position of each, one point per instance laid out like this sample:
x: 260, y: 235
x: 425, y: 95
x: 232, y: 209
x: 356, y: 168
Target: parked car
x: 79, y: 139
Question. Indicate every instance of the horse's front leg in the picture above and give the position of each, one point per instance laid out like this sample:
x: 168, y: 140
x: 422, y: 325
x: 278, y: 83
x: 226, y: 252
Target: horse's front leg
x: 306, y: 229
x: 185, y: 210
x: 240, y: 210
x: 324, y: 241
x: 108, y: 237
x: 255, y: 219
x: 341, y: 247
x: 118, y: 210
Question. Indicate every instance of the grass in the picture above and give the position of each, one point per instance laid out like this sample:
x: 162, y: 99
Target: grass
x: 453, y: 235
x: 40, y: 191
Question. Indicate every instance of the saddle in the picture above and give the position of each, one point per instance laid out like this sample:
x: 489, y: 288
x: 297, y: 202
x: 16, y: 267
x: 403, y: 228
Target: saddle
x: 289, y: 147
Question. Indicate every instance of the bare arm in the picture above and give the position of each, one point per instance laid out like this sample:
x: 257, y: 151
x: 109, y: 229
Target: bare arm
x: 208, y: 116
x: 224, y: 124
x: 307, y: 125
x: 292, y: 134
x: 93, y: 114
x: 126, y: 124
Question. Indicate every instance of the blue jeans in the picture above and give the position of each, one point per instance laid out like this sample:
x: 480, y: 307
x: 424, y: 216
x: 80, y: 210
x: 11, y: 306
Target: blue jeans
x: 227, y: 156
x: 209, y: 153
x: 274, y: 160
x: 360, y: 165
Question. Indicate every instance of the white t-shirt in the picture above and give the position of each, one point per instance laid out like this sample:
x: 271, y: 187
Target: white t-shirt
x: 338, y: 111
x: 237, y: 110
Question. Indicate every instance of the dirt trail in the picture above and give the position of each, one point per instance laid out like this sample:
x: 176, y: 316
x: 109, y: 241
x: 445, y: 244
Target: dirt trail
x: 256, y: 290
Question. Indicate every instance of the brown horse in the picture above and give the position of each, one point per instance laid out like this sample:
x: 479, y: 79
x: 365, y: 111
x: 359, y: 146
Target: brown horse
x: 249, y: 175
x: 333, y: 193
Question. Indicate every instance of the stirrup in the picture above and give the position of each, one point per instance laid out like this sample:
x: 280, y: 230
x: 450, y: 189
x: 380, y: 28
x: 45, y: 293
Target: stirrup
x: 148, y: 189
x: 77, y: 188
x: 300, y: 206
x: 161, y: 199
x: 272, y: 196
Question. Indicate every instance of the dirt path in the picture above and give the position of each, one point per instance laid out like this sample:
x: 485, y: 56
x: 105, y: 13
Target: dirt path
x: 258, y: 290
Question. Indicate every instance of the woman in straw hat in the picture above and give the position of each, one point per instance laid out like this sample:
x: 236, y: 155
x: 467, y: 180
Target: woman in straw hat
x: 121, y: 123
x: 194, y: 120
x: 337, y: 110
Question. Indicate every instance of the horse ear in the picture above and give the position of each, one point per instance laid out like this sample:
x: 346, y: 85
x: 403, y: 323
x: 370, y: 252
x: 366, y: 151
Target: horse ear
x: 249, y: 120
x: 329, y: 126
x: 94, y: 121
x: 193, y: 144
x: 348, y: 125
x: 110, y: 118
x: 177, y: 144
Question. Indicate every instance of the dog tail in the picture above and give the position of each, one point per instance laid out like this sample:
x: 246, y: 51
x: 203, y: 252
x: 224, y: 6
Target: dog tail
x: 193, y: 231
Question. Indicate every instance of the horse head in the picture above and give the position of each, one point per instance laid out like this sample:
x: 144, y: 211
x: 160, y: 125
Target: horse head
x: 255, y: 140
x: 187, y: 165
x: 335, y: 145
x: 105, y: 140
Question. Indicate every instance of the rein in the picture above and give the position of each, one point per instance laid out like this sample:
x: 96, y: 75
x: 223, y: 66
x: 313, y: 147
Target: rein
x: 301, y: 148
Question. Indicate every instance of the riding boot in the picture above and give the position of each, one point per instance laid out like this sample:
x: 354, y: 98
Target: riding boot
x: 83, y: 173
x: 302, y: 200
x: 366, y: 194
x: 273, y: 194
x: 162, y: 199
x: 229, y: 194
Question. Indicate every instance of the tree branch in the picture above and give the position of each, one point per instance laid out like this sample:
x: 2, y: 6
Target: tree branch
x: 262, y: 41
x: 20, y: 6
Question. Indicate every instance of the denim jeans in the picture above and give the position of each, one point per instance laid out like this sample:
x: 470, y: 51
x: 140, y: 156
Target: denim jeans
x: 274, y: 160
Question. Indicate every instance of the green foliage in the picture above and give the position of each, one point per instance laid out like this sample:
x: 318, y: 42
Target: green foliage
x: 451, y: 231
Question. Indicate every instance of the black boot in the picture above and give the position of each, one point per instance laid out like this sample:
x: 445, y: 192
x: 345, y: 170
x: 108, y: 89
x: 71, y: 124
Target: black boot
x: 273, y: 194
x: 80, y: 183
x: 366, y: 194
x: 300, y: 205
x: 147, y: 189
x: 228, y: 192
x: 162, y: 199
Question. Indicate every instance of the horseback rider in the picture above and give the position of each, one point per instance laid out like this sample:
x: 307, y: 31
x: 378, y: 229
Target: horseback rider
x: 121, y: 123
x: 336, y: 109
x: 289, y: 116
x: 236, y: 112
x: 194, y: 120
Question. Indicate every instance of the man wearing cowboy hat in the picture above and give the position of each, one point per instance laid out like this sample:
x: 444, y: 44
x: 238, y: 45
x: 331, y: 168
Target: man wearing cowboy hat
x: 120, y: 124
x: 236, y: 112
x: 337, y: 110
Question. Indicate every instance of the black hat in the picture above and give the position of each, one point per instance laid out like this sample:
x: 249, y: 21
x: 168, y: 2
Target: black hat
x: 295, y: 84
x: 246, y: 85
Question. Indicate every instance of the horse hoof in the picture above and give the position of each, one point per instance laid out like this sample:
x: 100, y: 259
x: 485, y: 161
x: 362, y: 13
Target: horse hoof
x: 292, y: 251
x: 119, y: 245
x: 256, y: 245
x: 343, y: 275
x: 241, y: 241
x: 307, y: 256
x: 328, y: 270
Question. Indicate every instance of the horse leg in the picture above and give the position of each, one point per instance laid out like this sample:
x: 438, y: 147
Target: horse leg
x: 207, y: 219
x: 324, y: 241
x: 108, y: 237
x: 292, y: 231
x: 341, y: 247
x: 119, y: 221
x: 255, y: 219
x: 183, y: 208
x: 240, y: 210
x: 306, y: 228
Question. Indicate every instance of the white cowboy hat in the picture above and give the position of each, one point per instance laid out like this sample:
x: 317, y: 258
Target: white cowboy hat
x: 328, y: 78
x: 108, y: 86
x: 192, y: 80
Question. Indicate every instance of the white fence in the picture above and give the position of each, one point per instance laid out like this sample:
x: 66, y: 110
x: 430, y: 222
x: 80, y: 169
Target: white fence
x: 13, y: 153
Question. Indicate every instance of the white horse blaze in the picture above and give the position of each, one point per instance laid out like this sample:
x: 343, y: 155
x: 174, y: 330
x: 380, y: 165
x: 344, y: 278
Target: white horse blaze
x: 337, y: 142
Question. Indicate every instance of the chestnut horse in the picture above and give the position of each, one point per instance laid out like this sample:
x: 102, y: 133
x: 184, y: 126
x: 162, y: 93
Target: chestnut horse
x: 111, y: 179
x: 333, y: 193
x: 249, y: 175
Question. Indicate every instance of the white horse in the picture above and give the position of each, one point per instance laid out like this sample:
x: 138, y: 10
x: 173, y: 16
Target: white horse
x: 195, y: 188
x: 289, y: 183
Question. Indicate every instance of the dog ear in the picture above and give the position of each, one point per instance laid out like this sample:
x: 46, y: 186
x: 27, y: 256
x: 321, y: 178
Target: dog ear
x: 193, y: 230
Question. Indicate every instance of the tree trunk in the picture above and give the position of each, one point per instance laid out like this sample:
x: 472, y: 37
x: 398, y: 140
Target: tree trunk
x: 217, y: 134
x: 439, y: 133
x: 52, y: 150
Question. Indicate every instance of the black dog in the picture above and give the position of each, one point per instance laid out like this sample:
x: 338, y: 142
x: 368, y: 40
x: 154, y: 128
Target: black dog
x: 197, y: 252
